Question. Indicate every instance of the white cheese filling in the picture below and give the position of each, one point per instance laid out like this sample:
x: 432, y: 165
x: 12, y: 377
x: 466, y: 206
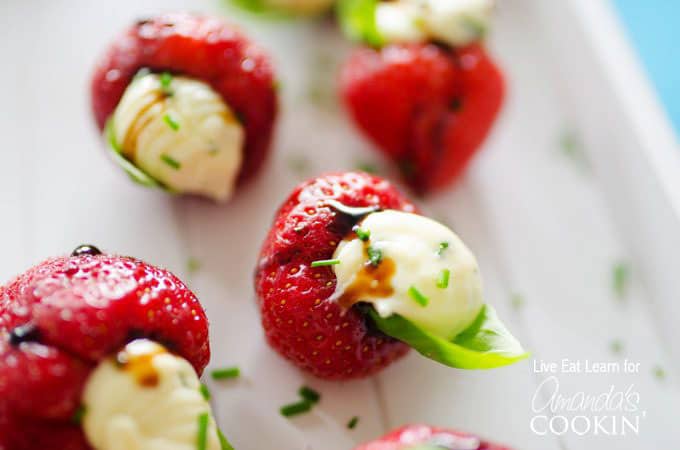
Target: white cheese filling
x: 146, y: 399
x: 436, y: 282
x: 455, y: 22
x: 301, y: 6
x: 181, y: 132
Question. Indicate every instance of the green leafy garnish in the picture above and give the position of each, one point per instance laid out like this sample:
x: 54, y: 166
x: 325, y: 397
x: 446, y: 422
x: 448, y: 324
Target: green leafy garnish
x: 620, y: 275
x: 225, y: 373
x: 418, y: 296
x: 202, y: 435
x: 374, y: 255
x: 172, y: 123
x: 325, y: 262
x: 224, y: 443
x: 352, y: 424
x: 363, y: 235
x: 294, y: 409
x: 170, y: 161
x: 78, y: 415
x: 483, y: 345
x: 442, y: 246
x: 443, y: 280
x: 205, y: 392
x: 309, y: 394
x: 135, y: 173
x: 358, y: 21
x: 166, y: 80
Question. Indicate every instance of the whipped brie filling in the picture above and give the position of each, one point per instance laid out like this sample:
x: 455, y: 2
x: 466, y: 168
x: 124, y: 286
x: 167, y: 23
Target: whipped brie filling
x: 145, y: 399
x: 301, y: 6
x: 428, y: 275
x: 180, y: 132
x: 454, y: 22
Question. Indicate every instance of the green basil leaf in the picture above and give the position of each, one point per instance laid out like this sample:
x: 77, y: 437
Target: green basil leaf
x: 483, y: 345
x: 357, y: 18
x: 135, y: 173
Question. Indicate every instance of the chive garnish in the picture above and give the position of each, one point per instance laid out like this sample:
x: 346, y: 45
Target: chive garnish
x: 193, y: 265
x: 659, y: 372
x: 224, y: 443
x: 170, y: 161
x: 78, y: 415
x: 166, y: 80
x: 442, y: 246
x: 443, y: 281
x: 225, y: 373
x: 418, y: 296
x: 205, y: 392
x: 325, y: 262
x: 172, y: 123
x: 202, y: 436
x: 293, y: 409
x: 374, y: 256
x: 309, y: 394
x: 353, y: 422
x: 363, y: 235
x: 620, y: 275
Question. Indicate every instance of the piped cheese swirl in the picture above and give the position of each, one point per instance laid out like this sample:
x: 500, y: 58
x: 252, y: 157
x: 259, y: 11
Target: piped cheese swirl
x: 180, y: 132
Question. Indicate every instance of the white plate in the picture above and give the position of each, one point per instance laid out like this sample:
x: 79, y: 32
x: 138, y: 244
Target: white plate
x: 543, y: 225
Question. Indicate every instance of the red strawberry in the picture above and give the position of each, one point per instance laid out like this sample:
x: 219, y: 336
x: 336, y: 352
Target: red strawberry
x: 63, y: 316
x: 299, y: 320
x: 427, y: 107
x: 204, y: 48
x: 423, y: 437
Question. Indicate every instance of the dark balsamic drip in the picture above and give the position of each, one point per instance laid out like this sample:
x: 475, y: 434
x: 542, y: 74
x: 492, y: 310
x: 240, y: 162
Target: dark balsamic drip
x: 23, y: 333
x: 86, y: 249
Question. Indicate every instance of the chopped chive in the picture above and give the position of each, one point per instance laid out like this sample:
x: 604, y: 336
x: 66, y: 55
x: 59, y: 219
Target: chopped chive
x: 325, y: 262
x: 418, y: 296
x: 78, y: 415
x: 443, y: 281
x: 205, y: 392
x: 172, y: 123
x: 309, y: 394
x: 352, y: 424
x: 293, y: 409
x: 363, y: 235
x: 202, y: 436
x: 616, y: 346
x: 170, y: 161
x: 442, y: 246
x: 225, y: 373
x: 620, y: 275
x: 368, y: 168
x: 193, y: 265
x: 517, y: 301
x: 299, y: 164
x: 224, y: 443
x: 166, y: 81
x: 659, y: 373
x: 374, y: 256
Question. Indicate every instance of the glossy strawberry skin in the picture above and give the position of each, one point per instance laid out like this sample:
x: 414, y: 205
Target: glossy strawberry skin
x: 63, y: 316
x: 299, y: 319
x: 204, y: 48
x: 412, y: 436
x: 426, y: 107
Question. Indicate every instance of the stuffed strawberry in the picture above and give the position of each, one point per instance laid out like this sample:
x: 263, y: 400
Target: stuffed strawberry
x: 187, y: 103
x: 94, y: 350
x: 350, y: 276
x: 425, y: 91
x: 423, y: 437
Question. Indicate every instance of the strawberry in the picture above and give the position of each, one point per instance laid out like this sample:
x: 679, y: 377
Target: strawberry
x: 423, y: 437
x: 427, y: 107
x: 299, y: 319
x: 204, y: 48
x: 63, y: 316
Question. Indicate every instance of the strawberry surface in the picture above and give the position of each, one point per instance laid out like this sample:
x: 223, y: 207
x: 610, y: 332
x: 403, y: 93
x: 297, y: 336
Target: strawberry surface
x: 427, y: 107
x: 424, y: 437
x: 63, y: 316
x: 204, y: 48
x: 299, y: 319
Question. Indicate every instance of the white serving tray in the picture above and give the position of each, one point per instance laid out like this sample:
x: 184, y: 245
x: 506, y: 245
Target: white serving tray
x: 544, y: 225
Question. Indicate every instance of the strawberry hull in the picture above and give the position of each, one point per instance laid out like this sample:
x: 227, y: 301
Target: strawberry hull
x: 203, y: 48
x: 59, y: 319
x: 428, y: 108
x: 300, y: 320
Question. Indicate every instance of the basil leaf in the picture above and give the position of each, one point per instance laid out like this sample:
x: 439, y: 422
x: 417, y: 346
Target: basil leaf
x: 135, y: 173
x: 483, y: 345
x: 357, y: 18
